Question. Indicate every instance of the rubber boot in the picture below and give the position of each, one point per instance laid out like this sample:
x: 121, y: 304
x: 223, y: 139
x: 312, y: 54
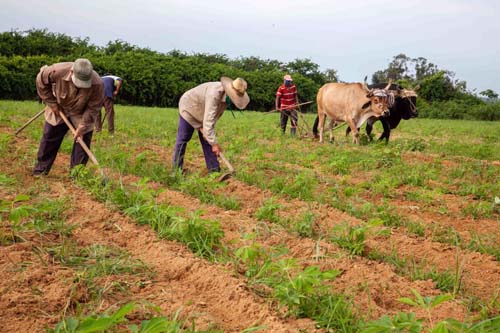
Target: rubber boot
x: 292, y: 131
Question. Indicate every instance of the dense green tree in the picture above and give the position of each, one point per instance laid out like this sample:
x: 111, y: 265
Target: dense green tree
x: 159, y: 79
x: 423, y: 68
x: 331, y: 75
x: 41, y: 42
x: 488, y: 93
x: 437, y: 87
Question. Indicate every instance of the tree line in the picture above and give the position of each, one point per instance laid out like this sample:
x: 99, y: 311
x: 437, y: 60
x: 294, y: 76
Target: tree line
x: 159, y: 79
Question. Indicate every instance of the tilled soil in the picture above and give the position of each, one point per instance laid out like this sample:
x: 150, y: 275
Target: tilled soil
x: 37, y: 291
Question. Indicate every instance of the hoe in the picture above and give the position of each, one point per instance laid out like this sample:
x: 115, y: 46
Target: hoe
x: 226, y: 175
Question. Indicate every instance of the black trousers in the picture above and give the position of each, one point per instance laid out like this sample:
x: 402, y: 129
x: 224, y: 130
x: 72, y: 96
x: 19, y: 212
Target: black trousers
x: 284, y: 119
x: 51, y: 142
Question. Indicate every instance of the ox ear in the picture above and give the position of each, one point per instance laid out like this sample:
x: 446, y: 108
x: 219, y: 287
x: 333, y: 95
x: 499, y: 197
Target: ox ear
x: 417, y: 87
x: 388, y: 85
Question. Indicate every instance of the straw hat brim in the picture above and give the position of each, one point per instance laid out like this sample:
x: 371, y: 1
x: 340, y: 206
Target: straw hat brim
x: 241, y: 101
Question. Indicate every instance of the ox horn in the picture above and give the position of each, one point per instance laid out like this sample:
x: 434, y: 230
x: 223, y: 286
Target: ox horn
x: 365, y: 84
x: 388, y: 85
x: 417, y: 87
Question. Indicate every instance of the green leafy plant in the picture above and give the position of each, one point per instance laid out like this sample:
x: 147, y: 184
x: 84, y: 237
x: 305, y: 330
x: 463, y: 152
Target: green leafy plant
x: 304, y: 226
x: 408, y: 322
x: 427, y: 303
x: 95, y: 323
x: 352, y: 237
x: 268, y: 211
x: 203, y: 237
x: 402, y: 322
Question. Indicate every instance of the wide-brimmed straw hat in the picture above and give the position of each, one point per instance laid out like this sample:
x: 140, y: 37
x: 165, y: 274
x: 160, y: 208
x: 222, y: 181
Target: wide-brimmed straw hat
x: 82, y: 73
x: 236, y: 90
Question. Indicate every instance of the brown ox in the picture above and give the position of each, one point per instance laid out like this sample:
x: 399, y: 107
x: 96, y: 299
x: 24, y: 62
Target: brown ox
x: 352, y: 103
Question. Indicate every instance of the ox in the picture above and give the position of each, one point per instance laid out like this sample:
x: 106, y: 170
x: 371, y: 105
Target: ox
x: 352, y: 103
x: 404, y: 107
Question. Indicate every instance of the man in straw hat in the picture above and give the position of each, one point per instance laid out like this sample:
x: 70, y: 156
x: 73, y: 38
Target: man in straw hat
x: 75, y: 89
x: 286, y: 101
x: 200, y: 108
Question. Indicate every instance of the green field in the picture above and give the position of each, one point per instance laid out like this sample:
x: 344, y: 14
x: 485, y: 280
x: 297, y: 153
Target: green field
x: 351, y: 238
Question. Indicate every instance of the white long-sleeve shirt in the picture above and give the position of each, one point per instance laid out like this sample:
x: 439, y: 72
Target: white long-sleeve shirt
x: 202, y: 106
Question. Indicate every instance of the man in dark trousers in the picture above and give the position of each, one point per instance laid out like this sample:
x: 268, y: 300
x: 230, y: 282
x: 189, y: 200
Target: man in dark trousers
x: 112, y: 85
x: 199, y: 109
x: 75, y: 89
x: 286, y: 102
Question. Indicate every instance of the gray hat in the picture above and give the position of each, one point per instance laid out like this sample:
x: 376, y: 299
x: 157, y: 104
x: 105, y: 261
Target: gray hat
x: 82, y: 73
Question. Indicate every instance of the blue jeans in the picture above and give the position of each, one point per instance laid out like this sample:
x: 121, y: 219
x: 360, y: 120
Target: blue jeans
x: 184, y: 134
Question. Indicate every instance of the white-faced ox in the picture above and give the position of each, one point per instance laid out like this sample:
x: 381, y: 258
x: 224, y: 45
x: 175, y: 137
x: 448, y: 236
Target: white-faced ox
x: 404, y: 106
x: 352, y: 103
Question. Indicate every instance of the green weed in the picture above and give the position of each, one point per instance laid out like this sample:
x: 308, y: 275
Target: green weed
x: 353, y: 237
x: 479, y: 210
x: 268, y: 211
x: 23, y: 215
x: 304, y: 226
x: 203, y: 237
x: 6, y: 180
x: 447, y: 281
x: 118, y: 322
x: 484, y: 244
x: 407, y: 322
x: 415, y: 228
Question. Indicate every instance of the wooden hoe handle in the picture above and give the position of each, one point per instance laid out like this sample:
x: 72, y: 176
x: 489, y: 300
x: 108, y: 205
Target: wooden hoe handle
x: 79, y: 140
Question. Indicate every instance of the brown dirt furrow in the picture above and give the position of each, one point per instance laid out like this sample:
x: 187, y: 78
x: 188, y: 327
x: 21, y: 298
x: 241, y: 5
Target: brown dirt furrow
x: 374, y: 287
x: 466, y: 227
x: 480, y: 273
x: 32, y: 293
x: 207, y: 293
x: 483, y: 268
x: 203, y: 291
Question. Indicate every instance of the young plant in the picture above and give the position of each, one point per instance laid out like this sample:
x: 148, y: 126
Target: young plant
x: 268, y: 211
x: 402, y: 322
x: 426, y: 303
x: 305, y: 225
x: 95, y: 323
x: 352, y: 237
x: 203, y: 237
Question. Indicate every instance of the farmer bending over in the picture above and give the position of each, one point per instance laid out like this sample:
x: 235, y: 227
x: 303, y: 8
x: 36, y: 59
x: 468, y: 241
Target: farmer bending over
x: 75, y: 89
x: 112, y: 85
x: 200, y: 108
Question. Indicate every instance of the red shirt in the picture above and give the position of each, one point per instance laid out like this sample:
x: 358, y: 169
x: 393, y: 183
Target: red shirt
x: 288, y: 96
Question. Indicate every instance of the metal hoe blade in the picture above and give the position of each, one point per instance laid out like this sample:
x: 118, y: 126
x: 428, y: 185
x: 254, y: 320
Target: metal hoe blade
x: 226, y: 175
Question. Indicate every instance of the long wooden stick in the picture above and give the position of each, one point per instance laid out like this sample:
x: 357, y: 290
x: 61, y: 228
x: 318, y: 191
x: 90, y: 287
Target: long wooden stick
x: 80, y: 140
x: 29, y: 121
x: 289, y: 106
x: 226, y: 162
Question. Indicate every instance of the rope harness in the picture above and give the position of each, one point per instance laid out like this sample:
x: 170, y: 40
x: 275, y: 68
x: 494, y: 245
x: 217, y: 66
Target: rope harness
x: 408, y: 94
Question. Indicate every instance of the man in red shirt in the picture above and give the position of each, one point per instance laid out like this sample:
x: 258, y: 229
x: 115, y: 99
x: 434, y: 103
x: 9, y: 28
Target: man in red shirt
x: 286, y: 102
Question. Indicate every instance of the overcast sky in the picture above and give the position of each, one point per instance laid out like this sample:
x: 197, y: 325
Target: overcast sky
x: 354, y: 37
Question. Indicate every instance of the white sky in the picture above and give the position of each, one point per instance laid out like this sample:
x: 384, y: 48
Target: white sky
x: 354, y: 37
